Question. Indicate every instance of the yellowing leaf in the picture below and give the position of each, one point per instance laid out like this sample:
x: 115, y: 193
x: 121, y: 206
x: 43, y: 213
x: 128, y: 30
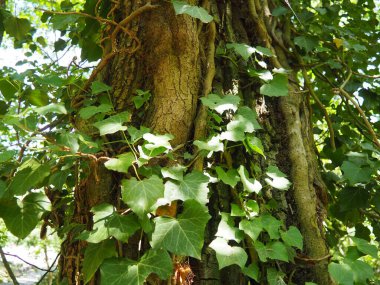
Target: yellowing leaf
x: 338, y: 42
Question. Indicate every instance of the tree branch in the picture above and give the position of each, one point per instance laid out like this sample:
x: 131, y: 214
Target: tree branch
x: 8, y: 267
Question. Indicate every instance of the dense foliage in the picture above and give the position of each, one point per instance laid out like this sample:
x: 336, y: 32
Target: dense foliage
x: 59, y: 121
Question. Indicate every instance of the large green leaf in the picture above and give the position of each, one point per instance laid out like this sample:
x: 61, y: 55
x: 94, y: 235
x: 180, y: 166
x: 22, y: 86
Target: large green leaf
x: 227, y: 229
x: 228, y: 255
x: 365, y: 247
x: 181, y: 7
x: 341, y: 273
x: 142, y: 195
x: 69, y: 140
x: 184, y: 235
x: 29, y: 174
x: 121, y: 163
x: 250, y: 185
x: 244, y: 50
x: 7, y: 89
x: 51, y: 108
x: 362, y: 271
x: 292, y: 237
x: 99, y: 87
x: 94, y: 256
x: 213, y: 144
x: 251, y: 228
x: 278, y: 86
x: 231, y: 177
x: 88, y: 112
x: 192, y: 186
x: 221, y: 104
x: 308, y: 43
x: 125, y: 271
x: 113, y: 124
x: 271, y: 225
x: 21, y: 216
x: 355, y: 173
x: 17, y: 27
x: 277, y: 179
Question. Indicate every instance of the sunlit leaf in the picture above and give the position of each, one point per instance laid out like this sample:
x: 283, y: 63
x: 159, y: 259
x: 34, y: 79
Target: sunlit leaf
x: 228, y: 255
x: 200, y: 13
x: 278, y: 86
x: 113, y: 124
x: 221, y: 104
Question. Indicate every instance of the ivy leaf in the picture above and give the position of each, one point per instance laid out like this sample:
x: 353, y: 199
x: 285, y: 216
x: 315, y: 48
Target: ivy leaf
x: 293, y: 237
x: 362, y: 271
x: 213, y: 144
x: 356, y: 174
x: 221, y: 104
x: 275, y: 277
x: 184, y: 235
x: 231, y: 177
x: 61, y: 22
x: 51, y: 108
x: 137, y: 134
x: 341, y: 273
x: 94, y: 256
x: 365, y: 247
x: 122, y: 227
x: 277, y: 250
x: 227, y: 230
x: 237, y: 211
x: 88, y: 112
x: 121, y: 163
x: 37, y: 98
x: 250, y: 185
x: 21, y: 216
x: 277, y: 178
x: 99, y: 87
x: 193, y: 186
x: 175, y: 172
x: 307, y: 43
x: 252, y: 271
x: 141, y: 97
x: 255, y: 144
x: 200, y: 13
x: 142, y: 195
x: 252, y: 207
x: 264, y: 51
x: 244, y: 122
x: 244, y: 50
x: 113, y: 124
x: 271, y: 225
x: 157, y: 143
x: 353, y: 198
x: 228, y: 255
x: 251, y: 228
x: 126, y: 271
x: 29, y: 174
x: 278, y: 86
x: 261, y: 251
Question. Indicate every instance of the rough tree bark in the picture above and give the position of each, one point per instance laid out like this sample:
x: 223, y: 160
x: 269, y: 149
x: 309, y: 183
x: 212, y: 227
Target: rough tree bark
x: 174, y: 59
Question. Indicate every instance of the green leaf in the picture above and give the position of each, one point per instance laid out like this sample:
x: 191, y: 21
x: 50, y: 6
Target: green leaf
x: 174, y: 172
x: 7, y: 89
x: 228, y: 255
x: 213, y: 144
x: 158, y: 142
x: 264, y: 51
x: 271, y: 225
x: 252, y: 207
x: 141, y: 98
x: 275, y: 277
x: 341, y: 273
x: 184, y: 235
x: 237, y: 211
x: 59, y: 178
x: 355, y: 173
x: 113, y: 124
x: 90, y: 111
x: 29, y: 174
x: 142, y: 195
x: 122, y: 227
x: 61, y: 22
x: 99, y: 87
x: 69, y: 140
x: 362, y: 271
x: 17, y: 27
x: 278, y: 86
x: 277, y: 178
x: 94, y: 256
x: 21, y: 216
x: 250, y: 185
x: 255, y: 144
x: 251, y: 228
x: 307, y: 43
x: 200, y: 13
x: 38, y: 98
x: 125, y: 271
x: 292, y: 237
x: 261, y: 251
x: 51, y: 108
x: 231, y: 177
x: 277, y: 250
x: 365, y: 247
x: 243, y: 122
x: 7, y: 155
x: 279, y: 11
x: 227, y: 230
x: 193, y: 186
x: 353, y: 198
x: 244, y: 50
x: 252, y: 271
x: 121, y: 163
x: 221, y: 104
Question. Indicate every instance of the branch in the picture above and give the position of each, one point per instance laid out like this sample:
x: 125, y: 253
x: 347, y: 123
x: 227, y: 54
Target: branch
x: 8, y: 267
x: 346, y: 95
x: 23, y: 260
x: 51, y: 266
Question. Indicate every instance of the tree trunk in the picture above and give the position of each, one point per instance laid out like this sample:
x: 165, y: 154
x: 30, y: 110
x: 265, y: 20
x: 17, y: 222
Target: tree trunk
x: 170, y: 56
